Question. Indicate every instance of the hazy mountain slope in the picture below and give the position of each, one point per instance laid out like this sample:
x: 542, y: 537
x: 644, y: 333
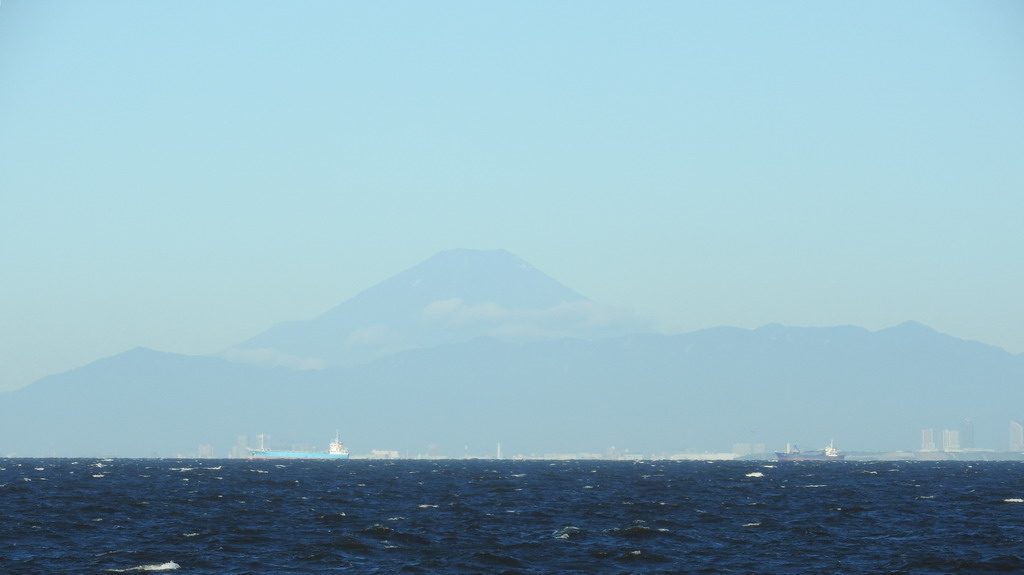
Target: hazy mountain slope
x: 143, y: 403
x: 473, y: 348
x: 705, y: 390
x: 454, y: 296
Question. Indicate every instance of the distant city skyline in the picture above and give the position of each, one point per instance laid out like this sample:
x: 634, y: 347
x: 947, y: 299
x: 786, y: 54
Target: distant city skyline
x: 184, y: 176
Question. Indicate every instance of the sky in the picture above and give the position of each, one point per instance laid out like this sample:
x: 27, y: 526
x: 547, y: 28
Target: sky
x: 185, y: 175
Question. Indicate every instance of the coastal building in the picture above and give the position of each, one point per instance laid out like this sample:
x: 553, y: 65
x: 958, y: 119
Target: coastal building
x: 950, y: 440
x: 742, y: 449
x: 967, y: 433
x: 1016, y: 436
x: 928, y: 440
x: 241, y: 448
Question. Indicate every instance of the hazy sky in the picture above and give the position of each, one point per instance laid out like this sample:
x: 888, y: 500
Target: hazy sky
x: 184, y: 175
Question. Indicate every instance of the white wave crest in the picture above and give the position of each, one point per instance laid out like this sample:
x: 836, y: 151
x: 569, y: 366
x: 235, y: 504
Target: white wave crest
x: 169, y: 566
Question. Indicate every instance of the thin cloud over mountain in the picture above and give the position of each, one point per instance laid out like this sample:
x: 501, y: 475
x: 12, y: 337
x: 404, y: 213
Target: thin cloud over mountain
x: 455, y: 296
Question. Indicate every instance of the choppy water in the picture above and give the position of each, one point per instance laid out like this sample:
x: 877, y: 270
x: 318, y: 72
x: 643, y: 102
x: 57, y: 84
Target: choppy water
x: 231, y: 516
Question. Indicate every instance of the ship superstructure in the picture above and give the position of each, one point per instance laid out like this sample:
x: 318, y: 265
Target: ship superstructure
x: 336, y: 450
x: 793, y: 453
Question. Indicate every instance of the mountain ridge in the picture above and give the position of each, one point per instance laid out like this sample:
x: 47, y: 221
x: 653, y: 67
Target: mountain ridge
x: 472, y: 361
x: 708, y: 389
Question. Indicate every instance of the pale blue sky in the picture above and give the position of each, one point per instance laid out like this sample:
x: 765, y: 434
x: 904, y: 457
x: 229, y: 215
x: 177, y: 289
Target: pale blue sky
x: 184, y: 175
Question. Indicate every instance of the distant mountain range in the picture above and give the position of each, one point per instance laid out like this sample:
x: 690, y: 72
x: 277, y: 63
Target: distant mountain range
x: 474, y: 348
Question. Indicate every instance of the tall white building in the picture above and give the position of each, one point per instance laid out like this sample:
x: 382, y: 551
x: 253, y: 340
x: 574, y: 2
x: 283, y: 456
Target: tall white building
x: 928, y: 440
x: 950, y: 440
x: 1016, y: 436
x: 967, y: 433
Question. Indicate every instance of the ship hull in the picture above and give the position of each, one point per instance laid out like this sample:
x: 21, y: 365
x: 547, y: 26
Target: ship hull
x: 255, y: 454
x: 793, y: 457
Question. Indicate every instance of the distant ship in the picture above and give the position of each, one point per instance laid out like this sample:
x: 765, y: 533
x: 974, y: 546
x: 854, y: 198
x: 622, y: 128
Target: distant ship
x: 829, y: 453
x: 336, y: 450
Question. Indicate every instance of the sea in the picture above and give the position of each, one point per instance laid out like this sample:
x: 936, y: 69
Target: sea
x: 501, y: 516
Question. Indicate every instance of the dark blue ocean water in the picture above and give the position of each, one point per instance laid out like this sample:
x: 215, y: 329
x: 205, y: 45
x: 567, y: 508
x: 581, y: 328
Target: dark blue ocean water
x: 470, y: 516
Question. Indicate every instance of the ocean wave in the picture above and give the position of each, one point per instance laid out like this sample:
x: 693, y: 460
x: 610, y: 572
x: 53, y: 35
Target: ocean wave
x: 168, y: 566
